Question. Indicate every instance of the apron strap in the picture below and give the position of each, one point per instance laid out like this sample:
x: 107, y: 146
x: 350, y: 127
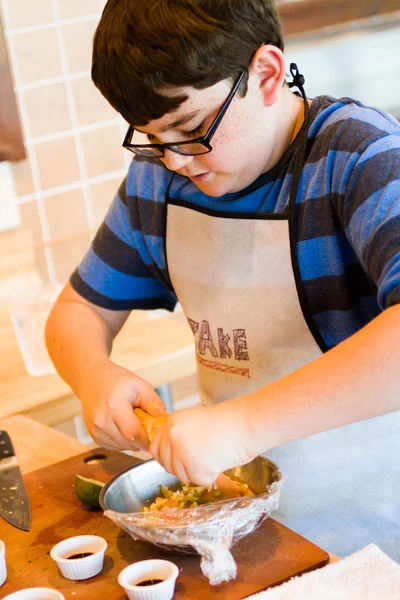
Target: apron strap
x: 300, y: 158
x: 166, y: 195
x: 299, y: 81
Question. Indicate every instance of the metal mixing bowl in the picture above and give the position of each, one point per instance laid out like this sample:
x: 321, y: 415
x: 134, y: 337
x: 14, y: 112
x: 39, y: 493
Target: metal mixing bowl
x: 138, y: 486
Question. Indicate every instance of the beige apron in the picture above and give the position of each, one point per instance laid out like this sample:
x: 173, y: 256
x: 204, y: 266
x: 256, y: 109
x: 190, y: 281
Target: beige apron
x: 235, y: 281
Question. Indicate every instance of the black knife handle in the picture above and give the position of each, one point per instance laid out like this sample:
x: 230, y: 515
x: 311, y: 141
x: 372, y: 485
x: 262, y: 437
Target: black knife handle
x: 6, y: 447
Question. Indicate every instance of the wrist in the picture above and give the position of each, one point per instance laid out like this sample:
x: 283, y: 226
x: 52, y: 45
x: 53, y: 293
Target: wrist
x: 238, y: 417
x: 261, y: 430
x: 94, y: 370
x: 251, y: 428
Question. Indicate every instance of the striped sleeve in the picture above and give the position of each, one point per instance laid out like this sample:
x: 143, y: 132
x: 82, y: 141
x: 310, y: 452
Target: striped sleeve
x: 116, y: 273
x: 366, y: 183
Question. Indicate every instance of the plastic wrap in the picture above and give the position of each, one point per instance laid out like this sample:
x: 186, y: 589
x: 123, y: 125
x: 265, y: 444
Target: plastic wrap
x: 210, y: 530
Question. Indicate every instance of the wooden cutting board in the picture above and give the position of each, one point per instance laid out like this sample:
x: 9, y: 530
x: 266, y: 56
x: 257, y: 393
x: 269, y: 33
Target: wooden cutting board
x: 269, y: 556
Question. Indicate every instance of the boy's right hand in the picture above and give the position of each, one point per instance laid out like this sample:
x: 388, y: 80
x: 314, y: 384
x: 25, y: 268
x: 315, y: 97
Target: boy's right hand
x: 108, y: 395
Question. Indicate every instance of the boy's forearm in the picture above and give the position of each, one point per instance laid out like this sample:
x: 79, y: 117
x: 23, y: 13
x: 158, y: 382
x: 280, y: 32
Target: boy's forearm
x: 79, y: 341
x: 356, y: 380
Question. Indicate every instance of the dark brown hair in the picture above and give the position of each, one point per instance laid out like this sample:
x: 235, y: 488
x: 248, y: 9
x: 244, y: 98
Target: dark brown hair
x: 145, y: 49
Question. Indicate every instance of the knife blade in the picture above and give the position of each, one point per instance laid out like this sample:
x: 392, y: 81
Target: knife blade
x: 14, y: 501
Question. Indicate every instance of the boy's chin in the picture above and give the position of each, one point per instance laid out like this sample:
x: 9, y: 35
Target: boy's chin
x: 218, y: 186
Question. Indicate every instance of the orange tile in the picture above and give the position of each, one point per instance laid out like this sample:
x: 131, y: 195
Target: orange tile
x: 66, y: 214
x: 78, y: 39
x: 37, y: 55
x: 71, y: 9
x: 23, y: 179
x: 30, y: 220
x: 57, y: 162
x: 103, y: 151
x: 102, y: 195
x: 67, y: 255
x: 47, y: 109
x: 25, y: 13
x: 91, y: 106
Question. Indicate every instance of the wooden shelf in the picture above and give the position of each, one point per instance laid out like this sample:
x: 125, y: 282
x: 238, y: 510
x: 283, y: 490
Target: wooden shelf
x: 11, y: 141
x: 307, y: 16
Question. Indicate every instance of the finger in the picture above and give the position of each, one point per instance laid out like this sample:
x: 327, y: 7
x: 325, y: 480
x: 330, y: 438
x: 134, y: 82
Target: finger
x: 168, y: 456
x: 179, y: 470
x: 166, y: 453
x: 129, y: 426
x: 122, y: 442
x: 157, y: 446
x: 114, y: 441
x: 104, y: 442
x: 110, y: 437
x: 199, y: 477
x: 133, y: 447
x: 151, y: 403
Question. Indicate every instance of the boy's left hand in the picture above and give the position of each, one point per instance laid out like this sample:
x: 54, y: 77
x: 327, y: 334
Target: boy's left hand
x: 198, y: 444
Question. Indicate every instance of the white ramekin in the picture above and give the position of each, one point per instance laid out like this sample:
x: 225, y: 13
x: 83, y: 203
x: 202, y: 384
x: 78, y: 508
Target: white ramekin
x: 36, y: 594
x: 149, y: 569
x: 3, y: 567
x: 80, y: 568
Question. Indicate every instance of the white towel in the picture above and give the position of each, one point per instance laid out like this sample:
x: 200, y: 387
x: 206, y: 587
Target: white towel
x: 365, y: 575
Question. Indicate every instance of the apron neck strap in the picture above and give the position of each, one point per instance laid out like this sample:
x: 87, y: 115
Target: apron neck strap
x: 299, y: 81
x: 166, y: 195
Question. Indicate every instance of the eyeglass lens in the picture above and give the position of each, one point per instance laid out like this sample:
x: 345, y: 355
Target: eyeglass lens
x: 184, y: 149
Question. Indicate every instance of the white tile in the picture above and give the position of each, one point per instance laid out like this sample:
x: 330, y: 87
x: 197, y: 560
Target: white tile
x: 9, y: 213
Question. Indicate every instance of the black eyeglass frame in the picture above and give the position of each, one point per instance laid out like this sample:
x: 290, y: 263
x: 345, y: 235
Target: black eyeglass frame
x: 204, y: 139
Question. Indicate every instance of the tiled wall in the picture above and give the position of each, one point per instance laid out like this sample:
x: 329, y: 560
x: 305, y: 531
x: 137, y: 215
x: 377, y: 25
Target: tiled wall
x: 72, y: 135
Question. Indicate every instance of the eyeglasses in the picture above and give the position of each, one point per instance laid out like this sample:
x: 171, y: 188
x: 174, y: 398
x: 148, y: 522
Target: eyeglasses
x: 195, y: 147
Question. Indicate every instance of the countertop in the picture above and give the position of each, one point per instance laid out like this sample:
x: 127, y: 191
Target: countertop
x: 37, y: 446
x: 159, y: 349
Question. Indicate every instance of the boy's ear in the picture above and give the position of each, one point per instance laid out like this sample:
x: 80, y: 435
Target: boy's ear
x: 268, y: 68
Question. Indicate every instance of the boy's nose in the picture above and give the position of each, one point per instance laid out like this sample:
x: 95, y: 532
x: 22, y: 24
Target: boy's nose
x: 174, y: 161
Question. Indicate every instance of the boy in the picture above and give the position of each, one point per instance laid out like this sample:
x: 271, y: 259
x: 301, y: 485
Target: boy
x: 274, y: 221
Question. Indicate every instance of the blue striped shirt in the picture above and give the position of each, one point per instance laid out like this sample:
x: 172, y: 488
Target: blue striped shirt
x: 347, y: 222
